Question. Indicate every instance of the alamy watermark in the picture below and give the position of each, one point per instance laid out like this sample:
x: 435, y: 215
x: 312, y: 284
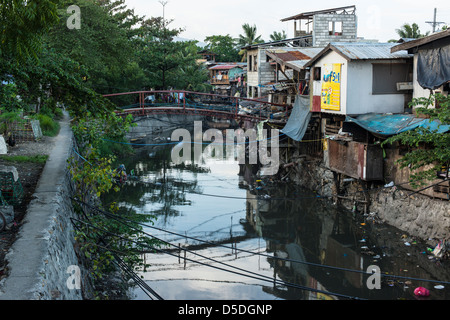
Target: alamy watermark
x: 374, y: 281
x: 74, y: 21
x: 73, y: 282
x: 242, y: 145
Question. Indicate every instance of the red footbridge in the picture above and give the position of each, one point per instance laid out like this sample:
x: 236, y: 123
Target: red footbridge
x: 195, y: 103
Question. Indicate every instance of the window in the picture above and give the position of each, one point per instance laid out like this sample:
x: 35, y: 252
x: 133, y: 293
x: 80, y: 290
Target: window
x: 338, y: 28
x: 255, y: 63
x: 387, y: 75
x: 250, y: 63
x: 317, y: 74
x: 335, y: 28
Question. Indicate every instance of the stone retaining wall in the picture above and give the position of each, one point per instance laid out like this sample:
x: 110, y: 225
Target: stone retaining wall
x: 418, y: 215
x: 44, y: 250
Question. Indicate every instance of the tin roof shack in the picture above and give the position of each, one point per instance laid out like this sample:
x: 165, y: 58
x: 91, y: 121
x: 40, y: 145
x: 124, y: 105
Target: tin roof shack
x: 359, y: 78
x: 375, y: 128
x: 290, y: 76
x: 227, y: 79
x: 350, y: 79
x: 431, y: 63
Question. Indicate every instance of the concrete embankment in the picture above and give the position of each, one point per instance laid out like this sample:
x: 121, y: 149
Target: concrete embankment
x: 418, y: 215
x: 39, y: 259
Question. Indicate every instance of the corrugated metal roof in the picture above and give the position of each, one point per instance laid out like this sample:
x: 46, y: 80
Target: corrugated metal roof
x: 361, y: 51
x: 225, y: 67
x: 368, y: 51
x: 295, y: 57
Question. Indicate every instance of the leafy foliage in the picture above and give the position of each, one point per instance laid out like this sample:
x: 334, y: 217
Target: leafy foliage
x: 410, y: 31
x: 22, y: 24
x: 428, y: 150
x: 249, y: 37
x: 102, y: 235
x: 224, y: 47
x: 165, y: 60
x: 277, y: 36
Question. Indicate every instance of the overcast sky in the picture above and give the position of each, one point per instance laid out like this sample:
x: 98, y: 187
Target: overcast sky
x: 202, y: 18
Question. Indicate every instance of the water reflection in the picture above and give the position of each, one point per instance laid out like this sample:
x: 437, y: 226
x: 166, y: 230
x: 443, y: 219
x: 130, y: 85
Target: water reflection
x: 285, y: 235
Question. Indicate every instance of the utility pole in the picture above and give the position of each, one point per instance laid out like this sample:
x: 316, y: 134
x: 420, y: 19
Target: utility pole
x: 434, y: 23
x: 163, y: 3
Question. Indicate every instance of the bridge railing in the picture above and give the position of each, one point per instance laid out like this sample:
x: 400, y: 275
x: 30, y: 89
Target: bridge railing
x: 183, y: 99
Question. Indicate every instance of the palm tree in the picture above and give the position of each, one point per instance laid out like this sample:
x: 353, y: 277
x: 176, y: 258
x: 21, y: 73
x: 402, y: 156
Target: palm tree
x: 247, y: 39
x: 277, y: 36
x: 410, y: 31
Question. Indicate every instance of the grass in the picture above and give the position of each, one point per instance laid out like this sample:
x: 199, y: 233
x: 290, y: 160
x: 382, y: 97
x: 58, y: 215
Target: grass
x: 38, y: 159
x: 49, y: 126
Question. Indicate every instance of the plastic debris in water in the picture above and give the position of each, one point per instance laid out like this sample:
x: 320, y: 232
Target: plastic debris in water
x: 422, y: 292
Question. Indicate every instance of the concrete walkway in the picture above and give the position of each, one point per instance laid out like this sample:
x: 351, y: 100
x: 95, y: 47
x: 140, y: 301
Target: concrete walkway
x: 29, y: 253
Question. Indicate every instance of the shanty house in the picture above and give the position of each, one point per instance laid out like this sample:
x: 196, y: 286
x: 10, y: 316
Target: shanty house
x: 431, y: 63
x: 322, y: 27
x: 359, y: 78
x: 290, y: 78
x: 226, y: 78
x: 350, y: 80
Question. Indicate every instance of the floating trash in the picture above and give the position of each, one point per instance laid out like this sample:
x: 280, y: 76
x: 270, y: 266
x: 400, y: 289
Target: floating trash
x: 422, y: 292
x: 439, y: 287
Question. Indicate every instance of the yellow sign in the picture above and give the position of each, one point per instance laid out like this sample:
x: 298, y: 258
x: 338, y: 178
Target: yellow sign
x: 331, y: 87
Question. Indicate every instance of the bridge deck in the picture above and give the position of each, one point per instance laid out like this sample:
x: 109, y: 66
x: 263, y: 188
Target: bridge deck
x: 205, y: 104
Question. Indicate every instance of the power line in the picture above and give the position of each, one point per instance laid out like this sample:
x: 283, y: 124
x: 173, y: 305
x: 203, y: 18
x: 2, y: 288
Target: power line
x: 123, y: 266
x: 240, y: 271
x: 247, y: 251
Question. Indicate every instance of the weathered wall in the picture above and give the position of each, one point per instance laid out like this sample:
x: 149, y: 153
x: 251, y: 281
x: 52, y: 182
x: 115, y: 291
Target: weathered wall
x: 164, y: 124
x: 39, y: 259
x: 321, y: 36
x: 418, y: 215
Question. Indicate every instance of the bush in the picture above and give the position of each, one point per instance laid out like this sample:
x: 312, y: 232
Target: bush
x: 49, y: 126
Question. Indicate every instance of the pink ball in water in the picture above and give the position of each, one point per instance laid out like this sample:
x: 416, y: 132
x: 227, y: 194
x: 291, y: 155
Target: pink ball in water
x: 422, y: 292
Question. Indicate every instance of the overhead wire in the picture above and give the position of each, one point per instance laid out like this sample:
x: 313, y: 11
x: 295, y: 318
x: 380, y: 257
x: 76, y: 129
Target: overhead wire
x: 241, y: 272
x: 120, y: 263
x: 260, y: 254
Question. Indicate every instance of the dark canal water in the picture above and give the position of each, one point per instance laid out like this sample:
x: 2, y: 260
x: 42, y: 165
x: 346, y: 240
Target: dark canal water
x: 249, y: 240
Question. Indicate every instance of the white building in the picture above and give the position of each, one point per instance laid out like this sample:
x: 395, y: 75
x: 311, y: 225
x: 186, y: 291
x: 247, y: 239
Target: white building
x: 359, y: 78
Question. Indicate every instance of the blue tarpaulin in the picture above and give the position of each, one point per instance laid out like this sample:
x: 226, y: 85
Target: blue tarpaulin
x: 299, y: 119
x: 392, y: 124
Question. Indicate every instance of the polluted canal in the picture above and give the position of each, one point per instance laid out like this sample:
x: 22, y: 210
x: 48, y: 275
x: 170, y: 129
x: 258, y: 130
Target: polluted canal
x: 233, y: 236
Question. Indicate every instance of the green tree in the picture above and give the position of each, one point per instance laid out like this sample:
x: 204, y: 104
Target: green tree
x: 161, y: 57
x: 224, y: 47
x: 22, y: 24
x: 429, y: 151
x: 50, y: 79
x: 277, y: 36
x: 411, y: 31
x: 191, y: 75
x: 248, y: 38
x: 104, y: 44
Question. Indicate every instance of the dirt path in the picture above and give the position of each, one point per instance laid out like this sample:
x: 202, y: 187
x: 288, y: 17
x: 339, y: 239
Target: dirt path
x: 29, y: 174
